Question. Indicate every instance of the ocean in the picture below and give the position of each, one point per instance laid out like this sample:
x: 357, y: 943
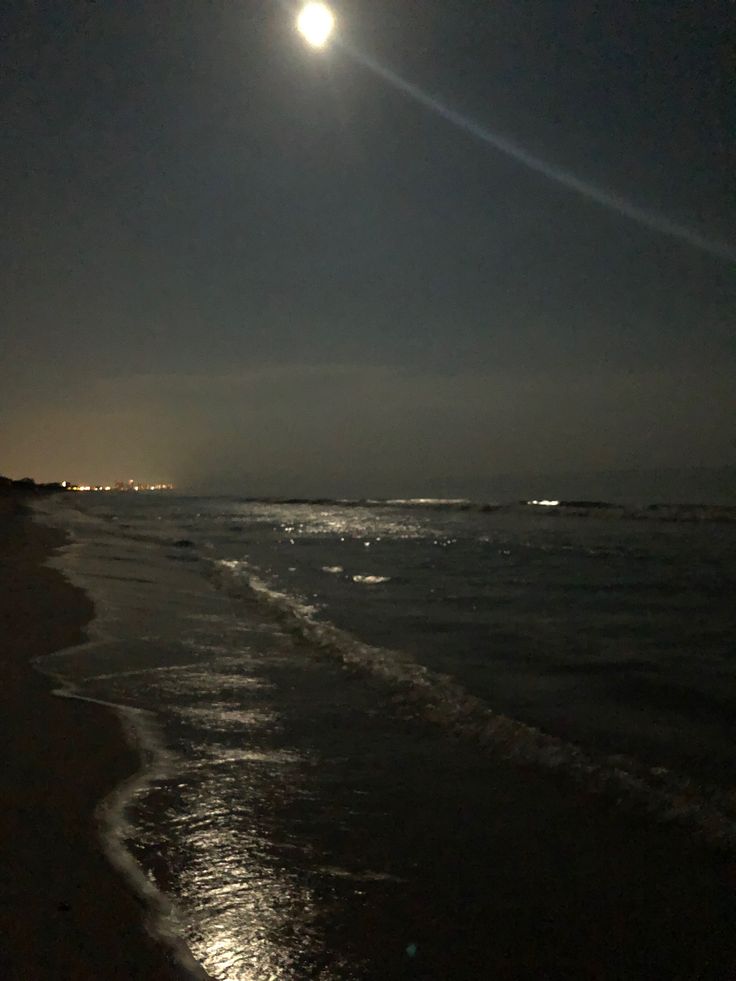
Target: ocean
x: 324, y: 692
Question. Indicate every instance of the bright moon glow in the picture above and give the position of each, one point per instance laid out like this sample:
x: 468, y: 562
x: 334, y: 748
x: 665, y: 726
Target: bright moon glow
x: 315, y: 23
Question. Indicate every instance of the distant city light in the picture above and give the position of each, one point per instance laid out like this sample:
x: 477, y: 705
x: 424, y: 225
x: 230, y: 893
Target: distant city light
x: 545, y: 504
x: 316, y: 23
x: 125, y: 486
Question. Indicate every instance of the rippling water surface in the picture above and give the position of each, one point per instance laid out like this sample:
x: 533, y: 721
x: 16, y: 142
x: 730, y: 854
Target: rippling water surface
x: 299, y: 674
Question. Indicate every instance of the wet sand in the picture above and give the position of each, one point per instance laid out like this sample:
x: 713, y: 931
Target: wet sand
x: 64, y: 912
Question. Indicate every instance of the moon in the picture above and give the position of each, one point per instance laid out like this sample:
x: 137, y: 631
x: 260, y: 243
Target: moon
x: 316, y: 23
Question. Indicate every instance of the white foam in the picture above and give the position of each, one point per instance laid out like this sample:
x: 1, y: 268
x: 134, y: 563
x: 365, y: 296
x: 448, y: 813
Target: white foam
x: 162, y: 920
x: 657, y: 791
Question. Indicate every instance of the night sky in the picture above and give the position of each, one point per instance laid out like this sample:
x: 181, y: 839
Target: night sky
x: 240, y: 264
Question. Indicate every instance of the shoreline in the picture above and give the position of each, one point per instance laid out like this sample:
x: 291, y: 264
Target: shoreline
x: 496, y: 868
x: 65, y: 912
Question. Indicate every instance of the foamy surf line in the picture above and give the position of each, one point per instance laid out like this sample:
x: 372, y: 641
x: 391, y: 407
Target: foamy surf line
x: 139, y: 727
x: 656, y: 791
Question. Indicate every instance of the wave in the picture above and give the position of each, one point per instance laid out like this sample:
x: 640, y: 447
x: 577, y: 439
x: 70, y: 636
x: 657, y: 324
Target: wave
x: 140, y: 728
x: 686, y: 513
x: 657, y: 791
x: 692, y: 513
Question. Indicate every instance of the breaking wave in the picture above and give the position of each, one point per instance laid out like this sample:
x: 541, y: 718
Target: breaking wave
x: 419, y: 691
x: 685, y: 513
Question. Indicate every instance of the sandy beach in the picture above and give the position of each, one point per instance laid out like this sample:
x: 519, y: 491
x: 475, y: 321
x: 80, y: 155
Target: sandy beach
x: 64, y: 913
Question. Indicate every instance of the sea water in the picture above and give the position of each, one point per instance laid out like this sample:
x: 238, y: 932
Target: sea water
x: 301, y: 676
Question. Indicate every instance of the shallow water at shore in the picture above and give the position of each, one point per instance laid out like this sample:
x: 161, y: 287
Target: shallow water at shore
x: 64, y: 913
x: 303, y: 673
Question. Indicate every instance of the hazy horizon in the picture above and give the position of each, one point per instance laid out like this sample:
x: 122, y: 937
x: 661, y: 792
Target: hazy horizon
x: 685, y: 485
x: 234, y: 261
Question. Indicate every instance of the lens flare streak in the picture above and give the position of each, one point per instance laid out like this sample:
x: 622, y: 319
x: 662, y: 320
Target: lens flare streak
x: 608, y: 199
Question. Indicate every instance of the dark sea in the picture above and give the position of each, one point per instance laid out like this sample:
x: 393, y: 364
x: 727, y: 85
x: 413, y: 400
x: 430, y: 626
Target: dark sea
x: 330, y: 697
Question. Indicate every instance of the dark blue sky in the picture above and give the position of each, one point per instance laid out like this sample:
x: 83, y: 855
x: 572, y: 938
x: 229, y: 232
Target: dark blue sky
x: 226, y: 254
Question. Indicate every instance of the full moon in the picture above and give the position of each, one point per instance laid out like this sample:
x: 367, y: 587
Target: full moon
x: 315, y: 23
